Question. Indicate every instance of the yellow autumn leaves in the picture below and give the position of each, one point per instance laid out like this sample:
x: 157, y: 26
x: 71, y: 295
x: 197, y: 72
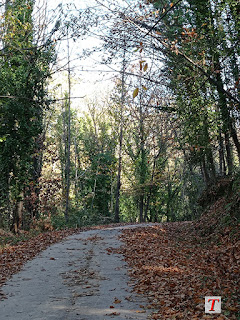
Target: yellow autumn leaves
x: 143, y: 67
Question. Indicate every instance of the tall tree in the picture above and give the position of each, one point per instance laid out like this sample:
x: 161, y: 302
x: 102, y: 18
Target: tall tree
x: 122, y: 102
x: 25, y: 68
x: 68, y: 137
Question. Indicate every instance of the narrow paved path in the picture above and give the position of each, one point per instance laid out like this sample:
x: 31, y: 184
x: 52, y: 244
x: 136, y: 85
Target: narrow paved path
x: 76, y: 279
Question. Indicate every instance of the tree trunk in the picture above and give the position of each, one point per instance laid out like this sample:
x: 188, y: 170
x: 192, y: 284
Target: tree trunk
x: 142, y: 154
x: 142, y: 170
x: 235, y: 140
x: 67, y: 169
x: 204, y: 170
x: 141, y: 207
x: 117, y: 211
x: 150, y: 188
x: 17, y: 214
x: 228, y: 125
x: 77, y: 165
x: 208, y: 150
x: 32, y: 192
x: 229, y: 153
x: 222, y: 164
x: 94, y: 187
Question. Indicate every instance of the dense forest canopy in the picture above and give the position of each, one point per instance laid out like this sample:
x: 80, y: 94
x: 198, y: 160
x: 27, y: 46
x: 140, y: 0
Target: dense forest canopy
x: 145, y: 150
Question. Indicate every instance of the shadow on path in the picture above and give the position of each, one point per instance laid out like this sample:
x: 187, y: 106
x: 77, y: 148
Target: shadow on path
x: 76, y: 279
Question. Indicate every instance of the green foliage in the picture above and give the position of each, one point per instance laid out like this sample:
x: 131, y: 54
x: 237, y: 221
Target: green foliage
x: 79, y: 217
x: 23, y: 74
x: 93, y: 164
x: 200, y: 63
x: 128, y: 208
x: 168, y: 153
x: 99, y: 153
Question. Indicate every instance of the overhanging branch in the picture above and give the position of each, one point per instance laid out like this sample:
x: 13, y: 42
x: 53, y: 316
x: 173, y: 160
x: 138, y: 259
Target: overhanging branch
x: 174, y: 52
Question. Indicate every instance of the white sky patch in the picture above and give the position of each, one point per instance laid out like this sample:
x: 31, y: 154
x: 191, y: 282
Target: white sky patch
x: 90, y: 79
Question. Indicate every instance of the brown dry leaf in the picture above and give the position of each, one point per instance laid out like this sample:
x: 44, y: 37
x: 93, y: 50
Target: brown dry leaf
x: 141, y: 311
x: 113, y: 314
x: 176, y: 267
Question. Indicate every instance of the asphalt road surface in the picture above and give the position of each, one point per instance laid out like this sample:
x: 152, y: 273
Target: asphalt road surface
x: 76, y: 279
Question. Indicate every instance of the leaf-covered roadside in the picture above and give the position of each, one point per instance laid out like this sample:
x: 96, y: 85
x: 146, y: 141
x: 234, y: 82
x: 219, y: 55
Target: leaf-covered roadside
x: 13, y: 256
x: 176, y: 269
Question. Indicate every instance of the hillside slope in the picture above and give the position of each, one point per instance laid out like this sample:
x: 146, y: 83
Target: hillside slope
x: 178, y: 264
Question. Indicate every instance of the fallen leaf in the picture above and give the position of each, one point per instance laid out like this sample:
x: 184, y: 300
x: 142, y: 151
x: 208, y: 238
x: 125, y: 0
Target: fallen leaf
x: 117, y: 301
x: 113, y: 314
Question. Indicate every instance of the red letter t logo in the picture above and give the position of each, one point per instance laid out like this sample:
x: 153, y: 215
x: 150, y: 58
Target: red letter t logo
x: 213, y: 303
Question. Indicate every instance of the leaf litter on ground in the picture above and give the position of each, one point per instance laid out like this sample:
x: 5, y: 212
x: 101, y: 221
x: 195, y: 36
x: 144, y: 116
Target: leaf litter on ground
x: 176, y: 268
